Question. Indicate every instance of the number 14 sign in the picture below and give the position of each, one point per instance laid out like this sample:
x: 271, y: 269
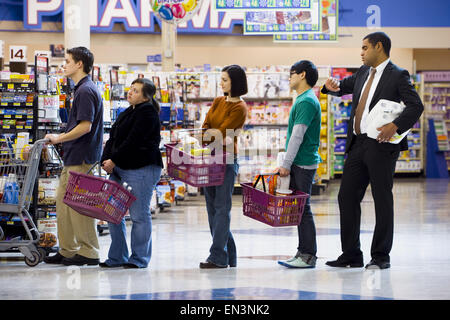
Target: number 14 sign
x: 18, y: 53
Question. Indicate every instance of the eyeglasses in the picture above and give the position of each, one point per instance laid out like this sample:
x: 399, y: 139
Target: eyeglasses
x: 292, y: 73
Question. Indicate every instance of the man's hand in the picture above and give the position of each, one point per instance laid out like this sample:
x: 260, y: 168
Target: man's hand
x: 108, y: 166
x: 332, y: 84
x: 53, y: 138
x: 386, y: 132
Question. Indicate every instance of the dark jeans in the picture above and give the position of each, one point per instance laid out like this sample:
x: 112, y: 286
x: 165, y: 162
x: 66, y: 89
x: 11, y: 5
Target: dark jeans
x: 368, y: 162
x: 302, y: 180
x: 218, y: 204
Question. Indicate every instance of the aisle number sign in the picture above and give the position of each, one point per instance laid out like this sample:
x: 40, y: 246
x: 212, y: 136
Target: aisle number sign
x: 18, y: 53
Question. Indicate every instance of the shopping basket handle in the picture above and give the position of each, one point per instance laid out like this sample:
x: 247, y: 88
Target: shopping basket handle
x: 98, y: 163
x: 42, y: 141
x: 263, y: 182
x: 93, y: 166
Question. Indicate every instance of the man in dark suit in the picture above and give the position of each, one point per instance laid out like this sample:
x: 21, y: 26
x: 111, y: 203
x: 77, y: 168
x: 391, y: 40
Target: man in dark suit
x: 372, y: 160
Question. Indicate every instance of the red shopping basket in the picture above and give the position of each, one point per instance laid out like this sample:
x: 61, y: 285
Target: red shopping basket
x: 197, y: 171
x: 276, y: 211
x: 97, y: 197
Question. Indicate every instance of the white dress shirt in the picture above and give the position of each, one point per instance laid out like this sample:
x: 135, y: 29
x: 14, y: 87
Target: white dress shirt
x: 376, y: 79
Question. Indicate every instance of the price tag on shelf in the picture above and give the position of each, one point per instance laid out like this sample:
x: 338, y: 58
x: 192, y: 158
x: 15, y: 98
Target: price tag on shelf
x: 18, y: 53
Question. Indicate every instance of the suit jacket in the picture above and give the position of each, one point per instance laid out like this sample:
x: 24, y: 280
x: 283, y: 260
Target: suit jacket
x: 394, y: 85
x: 134, y: 138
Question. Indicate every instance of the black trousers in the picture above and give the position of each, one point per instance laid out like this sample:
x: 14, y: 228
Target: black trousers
x: 368, y: 162
x: 302, y: 180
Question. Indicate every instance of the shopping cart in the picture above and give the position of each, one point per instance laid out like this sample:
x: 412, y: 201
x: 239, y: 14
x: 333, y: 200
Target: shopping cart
x: 97, y: 197
x: 19, y: 174
x: 274, y: 210
x: 198, y: 168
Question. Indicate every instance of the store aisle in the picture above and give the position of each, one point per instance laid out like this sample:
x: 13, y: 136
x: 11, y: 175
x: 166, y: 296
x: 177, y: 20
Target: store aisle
x: 420, y: 257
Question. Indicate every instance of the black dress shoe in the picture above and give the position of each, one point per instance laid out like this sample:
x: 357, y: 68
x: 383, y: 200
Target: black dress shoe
x: 130, y: 266
x: 345, y: 263
x: 210, y: 265
x: 104, y: 265
x: 78, y: 260
x: 377, y: 265
x: 55, y: 259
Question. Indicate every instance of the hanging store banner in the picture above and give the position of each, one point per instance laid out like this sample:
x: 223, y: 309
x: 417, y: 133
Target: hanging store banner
x: 292, y: 21
x: 328, y: 26
x: 261, y: 5
x: 135, y: 15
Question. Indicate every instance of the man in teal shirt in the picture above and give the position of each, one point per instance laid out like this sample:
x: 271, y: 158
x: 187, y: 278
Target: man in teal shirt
x: 302, y: 157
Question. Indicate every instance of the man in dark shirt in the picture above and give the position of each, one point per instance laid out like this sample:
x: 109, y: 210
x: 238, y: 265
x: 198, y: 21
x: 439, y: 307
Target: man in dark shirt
x: 82, y: 147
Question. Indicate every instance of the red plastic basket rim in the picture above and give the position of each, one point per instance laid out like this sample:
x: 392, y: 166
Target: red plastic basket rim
x: 297, y: 194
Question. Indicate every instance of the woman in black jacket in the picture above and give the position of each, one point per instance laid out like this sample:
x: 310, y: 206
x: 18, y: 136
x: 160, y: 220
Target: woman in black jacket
x: 132, y: 155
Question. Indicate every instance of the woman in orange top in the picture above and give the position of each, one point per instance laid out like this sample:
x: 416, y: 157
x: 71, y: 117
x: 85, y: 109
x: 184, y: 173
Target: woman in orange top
x: 227, y: 114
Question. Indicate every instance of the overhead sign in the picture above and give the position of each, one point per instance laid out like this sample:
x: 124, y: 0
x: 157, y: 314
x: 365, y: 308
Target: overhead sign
x: 287, y: 21
x: 135, y: 15
x: 154, y: 58
x: 328, y: 26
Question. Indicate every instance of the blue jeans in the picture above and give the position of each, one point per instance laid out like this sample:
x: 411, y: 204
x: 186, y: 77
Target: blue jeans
x: 143, y: 181
x: 302, y: 180
x: 218, y: 204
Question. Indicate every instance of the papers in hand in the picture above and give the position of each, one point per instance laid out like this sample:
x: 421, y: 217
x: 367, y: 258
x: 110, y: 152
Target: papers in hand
x: 385, y: 111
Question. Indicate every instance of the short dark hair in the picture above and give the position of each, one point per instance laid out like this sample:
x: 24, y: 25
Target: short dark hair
x: 312, y: 75
x: 148, y: 90
x: 238, y: 80
x: 84, y: 55
x: 382, y: 37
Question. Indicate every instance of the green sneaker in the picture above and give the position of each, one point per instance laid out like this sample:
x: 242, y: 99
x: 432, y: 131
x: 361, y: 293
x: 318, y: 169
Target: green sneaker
x: 300, y: 261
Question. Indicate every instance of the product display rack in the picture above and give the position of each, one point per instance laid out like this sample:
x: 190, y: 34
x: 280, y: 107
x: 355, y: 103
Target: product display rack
x: 18, y: 113
x: 49, y: 91
x: 435, y: 95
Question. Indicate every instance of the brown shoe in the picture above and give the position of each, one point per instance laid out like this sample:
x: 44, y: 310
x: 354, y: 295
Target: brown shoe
x: 210, y: 265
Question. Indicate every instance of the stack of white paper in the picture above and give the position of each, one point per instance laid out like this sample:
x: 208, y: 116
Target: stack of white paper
x: 385, y: 111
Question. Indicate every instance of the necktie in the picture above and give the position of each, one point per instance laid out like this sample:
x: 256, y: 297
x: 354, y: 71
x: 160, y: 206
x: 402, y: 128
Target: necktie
x: 362, y: 102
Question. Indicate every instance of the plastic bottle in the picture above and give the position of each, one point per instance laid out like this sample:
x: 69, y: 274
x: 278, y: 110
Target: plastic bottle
x: 14, y: 188
x: 8, y: 193
x: 2, y: 187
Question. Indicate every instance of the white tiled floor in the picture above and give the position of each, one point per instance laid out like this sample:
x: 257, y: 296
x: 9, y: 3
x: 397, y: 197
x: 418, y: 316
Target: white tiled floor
x: 420, y: 257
